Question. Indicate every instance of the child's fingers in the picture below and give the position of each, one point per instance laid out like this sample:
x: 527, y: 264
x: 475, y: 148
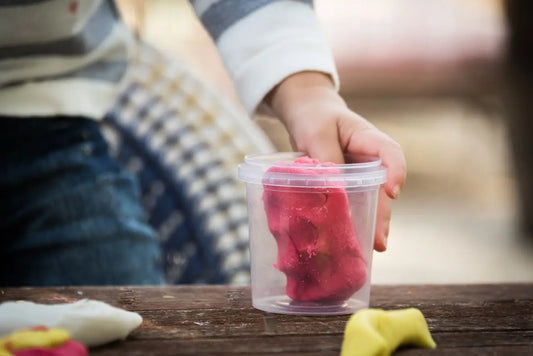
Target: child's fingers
x: 383, y: 218
x: 393, y: 158
x: 370, y: 141
x: 318, y: 139
x: 326, y: 148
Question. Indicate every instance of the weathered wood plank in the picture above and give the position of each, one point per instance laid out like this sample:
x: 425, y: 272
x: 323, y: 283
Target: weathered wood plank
x: 188, y: 297
x: 471, y: 351
x: 462, y: 293
x: 287, y: 345
x: 464, y: 319
x: 229, y: 310
x: 227, y: 345
x: 251, y: 322
x: 467, y: 339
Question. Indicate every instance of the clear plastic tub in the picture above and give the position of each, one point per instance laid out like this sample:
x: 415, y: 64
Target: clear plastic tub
x: 311, y: 232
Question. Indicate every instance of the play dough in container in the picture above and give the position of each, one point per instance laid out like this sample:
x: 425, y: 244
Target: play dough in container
x: 311, y: 232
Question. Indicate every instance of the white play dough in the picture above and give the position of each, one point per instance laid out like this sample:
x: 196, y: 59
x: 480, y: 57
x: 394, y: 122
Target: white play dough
x: 89, y: 322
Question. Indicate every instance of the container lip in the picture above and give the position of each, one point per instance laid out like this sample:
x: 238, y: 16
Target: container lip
x: 261, y: 160
x: 255, y: 170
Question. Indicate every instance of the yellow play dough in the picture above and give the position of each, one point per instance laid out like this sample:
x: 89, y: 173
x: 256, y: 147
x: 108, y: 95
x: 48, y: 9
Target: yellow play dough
x: 28, y: 339
x: 376, y: 332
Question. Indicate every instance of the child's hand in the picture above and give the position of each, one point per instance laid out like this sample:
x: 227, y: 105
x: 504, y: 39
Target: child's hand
x: 321, y: 125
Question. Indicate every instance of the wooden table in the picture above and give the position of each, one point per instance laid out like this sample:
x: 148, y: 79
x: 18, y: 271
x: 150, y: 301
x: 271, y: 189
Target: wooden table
x: 178, y: 320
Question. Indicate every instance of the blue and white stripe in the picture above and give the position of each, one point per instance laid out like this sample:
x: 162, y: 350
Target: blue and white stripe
x: 51, y: 51
x: 62, y: 56
x: 98, y: 26
x: 219, y: 15
x: 261, y: 42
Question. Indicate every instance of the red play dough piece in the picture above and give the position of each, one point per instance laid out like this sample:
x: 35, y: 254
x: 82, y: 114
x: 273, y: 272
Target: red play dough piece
x: 317, y: 247
x: 70, y: 348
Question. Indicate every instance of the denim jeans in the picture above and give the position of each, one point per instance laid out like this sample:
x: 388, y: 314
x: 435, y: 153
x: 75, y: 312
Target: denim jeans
x: 69, y: 214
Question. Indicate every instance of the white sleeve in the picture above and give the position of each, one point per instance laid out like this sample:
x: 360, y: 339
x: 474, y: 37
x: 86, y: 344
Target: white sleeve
x: 264, y: 41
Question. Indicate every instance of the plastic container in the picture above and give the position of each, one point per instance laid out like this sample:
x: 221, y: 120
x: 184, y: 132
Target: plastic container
x: 311, y: 232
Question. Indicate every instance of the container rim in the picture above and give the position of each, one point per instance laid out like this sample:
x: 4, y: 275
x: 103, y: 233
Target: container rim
x: 365, y: 171
x: 278, y: 160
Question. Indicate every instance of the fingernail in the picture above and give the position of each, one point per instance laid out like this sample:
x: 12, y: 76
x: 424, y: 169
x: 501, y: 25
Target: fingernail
x: 396, y: 191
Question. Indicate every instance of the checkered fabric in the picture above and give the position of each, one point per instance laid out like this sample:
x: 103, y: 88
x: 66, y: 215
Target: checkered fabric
x: 184, y: 142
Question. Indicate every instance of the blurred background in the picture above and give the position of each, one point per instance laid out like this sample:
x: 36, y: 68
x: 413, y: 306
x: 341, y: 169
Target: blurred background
x: 431, y: 74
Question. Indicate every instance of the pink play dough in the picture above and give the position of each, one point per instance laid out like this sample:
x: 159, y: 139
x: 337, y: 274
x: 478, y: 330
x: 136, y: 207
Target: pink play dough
x: 70, y: 348
x: 317, y: 247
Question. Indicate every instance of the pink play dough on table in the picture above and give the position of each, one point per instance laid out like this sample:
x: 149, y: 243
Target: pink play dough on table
x: 317, y: 247
x: 70, y: 348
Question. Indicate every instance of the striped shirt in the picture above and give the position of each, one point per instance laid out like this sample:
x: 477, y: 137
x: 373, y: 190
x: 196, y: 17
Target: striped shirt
x: 67, y: 57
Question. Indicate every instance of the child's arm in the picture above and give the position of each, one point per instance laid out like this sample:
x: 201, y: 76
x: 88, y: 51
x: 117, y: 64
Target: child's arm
x: 262, y: 42
x: 320, y: 124
x: 277, y: 47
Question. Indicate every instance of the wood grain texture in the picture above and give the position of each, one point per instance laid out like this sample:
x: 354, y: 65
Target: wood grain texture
x: 180, y: 320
